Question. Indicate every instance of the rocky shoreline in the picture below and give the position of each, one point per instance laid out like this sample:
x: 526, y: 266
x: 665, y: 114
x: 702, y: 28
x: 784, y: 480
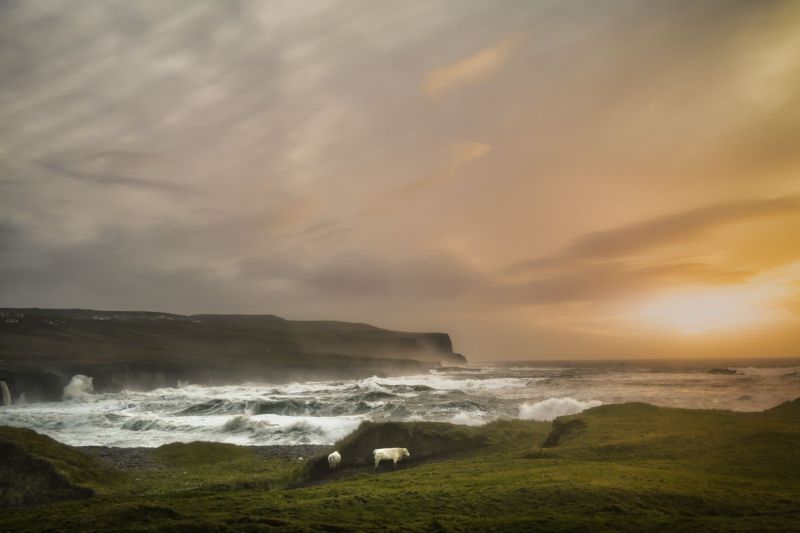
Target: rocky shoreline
x: 142, y: 458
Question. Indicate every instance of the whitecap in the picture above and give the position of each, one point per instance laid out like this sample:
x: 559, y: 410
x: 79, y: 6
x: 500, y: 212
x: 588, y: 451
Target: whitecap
x: 78, y: 388
x: 554, y: 407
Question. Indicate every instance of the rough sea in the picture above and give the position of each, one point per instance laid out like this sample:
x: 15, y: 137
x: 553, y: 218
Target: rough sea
x: 321, y: 412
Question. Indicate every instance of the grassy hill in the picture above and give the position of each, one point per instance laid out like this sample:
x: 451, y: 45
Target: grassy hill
x: 40, y: 349
x: 628, y: 467
x: 35, y: 469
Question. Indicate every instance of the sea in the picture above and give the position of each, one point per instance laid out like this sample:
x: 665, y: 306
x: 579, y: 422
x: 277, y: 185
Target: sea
x: 321, y: 412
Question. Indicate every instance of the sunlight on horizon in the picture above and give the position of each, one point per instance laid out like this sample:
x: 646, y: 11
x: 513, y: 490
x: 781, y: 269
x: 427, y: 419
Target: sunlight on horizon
x: 711, y: 310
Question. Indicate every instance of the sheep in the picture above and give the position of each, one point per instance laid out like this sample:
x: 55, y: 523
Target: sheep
x: 334, y: 460
x: 393, y: 454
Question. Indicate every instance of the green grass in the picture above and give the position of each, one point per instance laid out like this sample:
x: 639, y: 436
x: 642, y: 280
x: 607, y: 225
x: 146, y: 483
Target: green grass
x: 35, y: 469
x: 627, y: 467
x: 196, y: 454
x: 72, y: 464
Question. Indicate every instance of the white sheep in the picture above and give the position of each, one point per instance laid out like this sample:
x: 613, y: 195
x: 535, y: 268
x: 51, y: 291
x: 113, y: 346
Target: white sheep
x: 386, y: 454
x: 334, y: 460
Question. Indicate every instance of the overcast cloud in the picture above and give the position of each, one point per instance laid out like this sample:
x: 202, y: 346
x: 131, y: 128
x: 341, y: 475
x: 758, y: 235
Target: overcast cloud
x: 514, y: 173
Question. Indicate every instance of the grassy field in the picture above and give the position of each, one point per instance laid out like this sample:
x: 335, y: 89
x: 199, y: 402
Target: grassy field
x: 628, y: 467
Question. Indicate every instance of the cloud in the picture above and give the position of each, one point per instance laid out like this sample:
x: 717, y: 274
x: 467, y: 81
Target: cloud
x: 221, y: 156
x: 611, y: 281
x: 439, y: 276
x: 658, y: 231
x: 609, y: 265
x: 11, y: 237
x: 469, y: 70
x: 356, y: 277
x: 463, y: 152
x: 113, y: 167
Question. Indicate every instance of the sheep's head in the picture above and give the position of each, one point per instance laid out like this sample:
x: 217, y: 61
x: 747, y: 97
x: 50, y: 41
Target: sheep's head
x: 405, y: 453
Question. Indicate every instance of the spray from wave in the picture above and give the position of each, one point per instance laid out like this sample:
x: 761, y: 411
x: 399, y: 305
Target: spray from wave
x: 78, y: 388
x: 552, y: 408
x: 5, y: 395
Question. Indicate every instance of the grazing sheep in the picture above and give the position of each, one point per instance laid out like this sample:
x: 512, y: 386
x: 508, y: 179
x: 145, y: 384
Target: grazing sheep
x: 386, y: 454
x: 334, y: 460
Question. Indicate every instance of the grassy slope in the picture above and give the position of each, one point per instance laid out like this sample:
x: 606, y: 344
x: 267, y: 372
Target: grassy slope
x: 629, y: 467
x: 36, y: 469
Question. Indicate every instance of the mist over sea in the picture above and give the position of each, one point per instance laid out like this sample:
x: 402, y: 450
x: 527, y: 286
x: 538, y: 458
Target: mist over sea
x: 322, y: 412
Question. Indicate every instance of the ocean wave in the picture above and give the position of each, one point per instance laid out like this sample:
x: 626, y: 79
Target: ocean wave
x: 463, y: 405
x: 78, y: 388
x: 141, y: 424
x: 243, y: 423
x: 211, y: 407
x: 287, y: 406
x: 155, y: 423
x: 767, y: 371
x: 432, y: 382
x: 396, y: 410
x: 411, y: 388
x: 372, y: 385
x: 372, y: 396
x: 290, y: 430
x: 552, y: 408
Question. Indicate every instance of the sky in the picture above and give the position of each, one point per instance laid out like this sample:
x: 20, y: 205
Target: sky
x: 540, y: 179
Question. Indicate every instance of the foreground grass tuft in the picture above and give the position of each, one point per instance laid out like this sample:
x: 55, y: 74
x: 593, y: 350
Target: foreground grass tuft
x: 200, y: 453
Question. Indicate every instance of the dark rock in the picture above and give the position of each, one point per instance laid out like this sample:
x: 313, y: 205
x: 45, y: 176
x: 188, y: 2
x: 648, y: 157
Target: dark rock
x: 724, y: 371
x: 562, y: 428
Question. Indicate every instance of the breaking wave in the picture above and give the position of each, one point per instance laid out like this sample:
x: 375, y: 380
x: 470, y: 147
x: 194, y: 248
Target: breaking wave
x: 552, y: 408
x: 287, y: 430
x: 78, y: 388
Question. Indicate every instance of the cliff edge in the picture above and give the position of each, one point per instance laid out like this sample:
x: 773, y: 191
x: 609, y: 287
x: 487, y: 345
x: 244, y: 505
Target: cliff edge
x: 40, y: 349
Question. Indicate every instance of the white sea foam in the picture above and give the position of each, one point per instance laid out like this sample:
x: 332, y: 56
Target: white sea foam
x: 467, y: 419
x: 553, y: 408
x: 451, y: 382
x: 78, y: 388
x: 372, y: 385
x: 5, y: 393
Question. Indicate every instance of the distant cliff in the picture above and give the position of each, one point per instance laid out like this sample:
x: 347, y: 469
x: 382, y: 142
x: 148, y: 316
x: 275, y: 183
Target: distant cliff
x: 40, y: 349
